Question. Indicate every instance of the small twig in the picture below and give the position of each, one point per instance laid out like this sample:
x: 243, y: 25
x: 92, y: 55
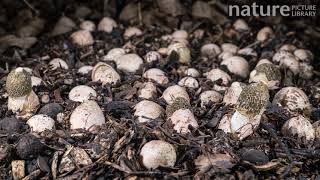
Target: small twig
x: 31, y: 7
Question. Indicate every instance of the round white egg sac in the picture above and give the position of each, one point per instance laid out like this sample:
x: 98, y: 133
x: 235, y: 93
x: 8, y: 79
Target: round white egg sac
x: 88, y: 26
x: 58, y: 63
x: 82, y: 38
x: 210, y: 50
x: 152, y: 56
x: 208, y: 97
x: 156, y: 75
x: 105, y: 74
x: 280, y: 55
x: 132, y: 31
x: 82, y: 93
x: 229, y: 47
x: 182, y: 119
x: 107, y: 24
x: 232, y: 94
x: 303, y: 55
x: 158, y: 153
x: 129, y: 63
x: 299, y: 127
x: 225, y: 55
x: 188, y: 82
x: 147, y: 110
x: 148, y: 91
x: 114, y: 54
x: 291, y: 63
x: 240, y: 25
x: 40, y: 123
x: 217, y: 74
x: 264, y: 34
x: 85, y: 70
x: 86, y: 115
x: 239, y: 125
x: 292, y: 98
x: 237, y: 65
x: 175, y: 47
x: 263, y: 61
x: 288, y: 47
x: 192, y: 72
x: 180, y: 34
x: 172, y: 92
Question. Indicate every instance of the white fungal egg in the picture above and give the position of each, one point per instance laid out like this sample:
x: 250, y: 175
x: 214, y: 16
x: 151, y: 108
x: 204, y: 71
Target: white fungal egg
x: 240, y: 126
x: 264, y: 34
x: 208, y: 97
x: 88, y: 25
x: 107, y: 24
x: 188, y: 82
x: 35, y: 81
x: 232, y: 93
x: 237, y: 65
x: 192, y: 72
x: 306, y: 71
x: 132, y: 31
x: 303, y: 55
x: 129, y: 63
x: 82, y: 38
x: 172, y: 92
x: 240, y: 25
x: 288, y: 47
x: 25, y: 105
x: 291, y: 63
x: 248, y: 52
x: 292, y: 99
x: 105, y: 74
x: 148, y: 91
x: 229, y: 47
x: 182, y: 119
x: 299, y: 127
x: 146, y: 111
x: 152, y: 56
x: 85, y: 70
x: 263, y: 61
x: 58, y: 63
x: 82, y: 93
x: 156, y: 75
x: 280, y: 55
x: 114, y: 54
x: 158, y: 153
x: 218, y: 74
x: 40, y: 122
x: 210, y: 50
x: 180, y: 34
x: 86, y: 115
x: 225, y: 55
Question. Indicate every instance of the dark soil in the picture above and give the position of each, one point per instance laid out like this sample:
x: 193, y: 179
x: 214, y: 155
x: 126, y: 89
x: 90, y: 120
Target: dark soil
x: 114, y: 147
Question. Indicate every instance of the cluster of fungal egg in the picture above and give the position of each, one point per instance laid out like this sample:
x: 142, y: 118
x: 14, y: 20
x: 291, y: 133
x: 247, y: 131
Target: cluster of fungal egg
x: 249, y: 100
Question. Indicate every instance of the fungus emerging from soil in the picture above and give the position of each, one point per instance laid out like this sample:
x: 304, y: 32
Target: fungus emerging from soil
x: 158, y: 153
x: 251, y: 104
x: 268, y: 73
x: 22, y: 100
